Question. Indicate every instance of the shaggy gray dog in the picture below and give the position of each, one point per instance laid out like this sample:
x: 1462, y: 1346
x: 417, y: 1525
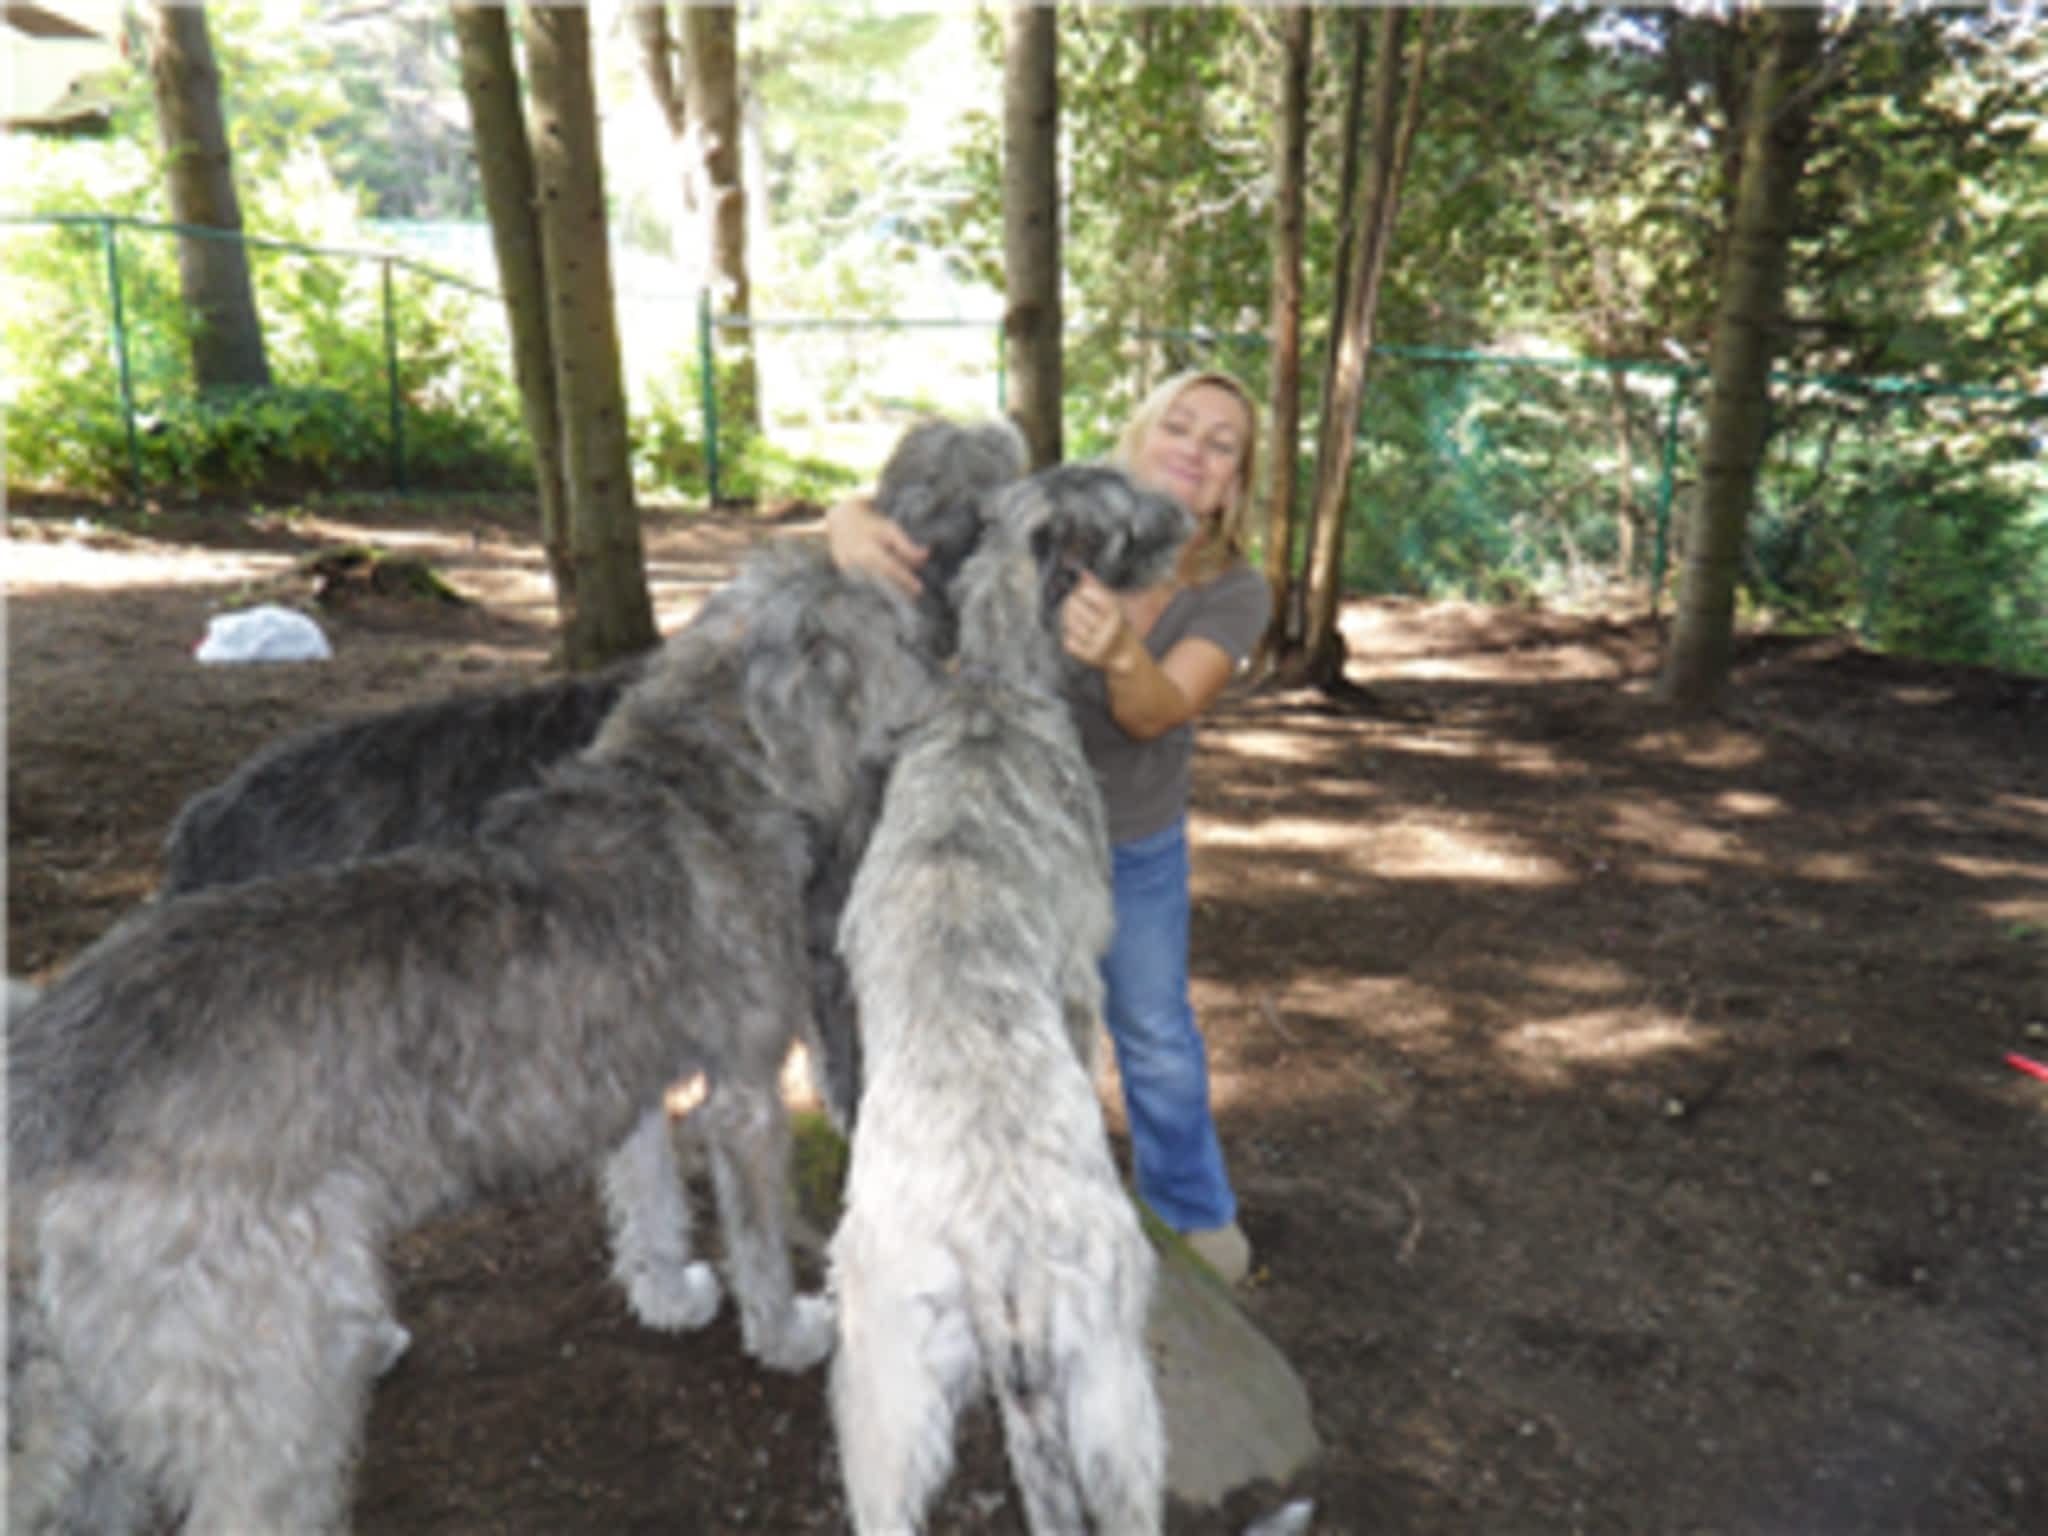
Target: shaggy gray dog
x: 228, y: 1104
x: 986, y: 1237
x: 424, y: 773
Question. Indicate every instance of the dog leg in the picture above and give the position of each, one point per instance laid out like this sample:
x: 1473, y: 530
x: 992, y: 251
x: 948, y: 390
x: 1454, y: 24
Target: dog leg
x: 906, y: 1365
x: 650, y: 1225
x: 1028, y: 1389
x: 747, y: 1133
x: 1116, y: 1439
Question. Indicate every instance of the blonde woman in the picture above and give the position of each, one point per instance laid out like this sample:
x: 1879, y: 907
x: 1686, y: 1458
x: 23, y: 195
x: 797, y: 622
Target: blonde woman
x: 1154, y: 662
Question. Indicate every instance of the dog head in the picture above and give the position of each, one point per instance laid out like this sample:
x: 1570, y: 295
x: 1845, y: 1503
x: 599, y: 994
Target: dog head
x: 1042, y: 533
x: 934, y: 488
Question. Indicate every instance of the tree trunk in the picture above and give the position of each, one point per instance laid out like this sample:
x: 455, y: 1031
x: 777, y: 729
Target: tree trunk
x: 1322, y: 662
x: 504, y: 160
x: 711, y: 104
x: 1351, y: 135
x: 213, y: 271
x: 1297, y: 31
x: 658, y: 63
x: 1031, y: 224
x: 1748, y: 333
x: 610, y: 614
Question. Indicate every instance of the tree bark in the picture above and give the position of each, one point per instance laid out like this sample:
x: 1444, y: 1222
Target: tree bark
x: 1391, y: 143
x: 711, y: 105
x: 1031, y: 225
x: 610, y: 614
x: 213, y: 271
x: 1297, y: 32
x: 1351, y: 135
x: 504, y: 159
x: 1748, y: 334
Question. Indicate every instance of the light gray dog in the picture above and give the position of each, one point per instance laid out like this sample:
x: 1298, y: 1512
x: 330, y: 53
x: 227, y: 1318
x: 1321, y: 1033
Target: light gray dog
x: 226, y: 1107
x: 987, y: 1238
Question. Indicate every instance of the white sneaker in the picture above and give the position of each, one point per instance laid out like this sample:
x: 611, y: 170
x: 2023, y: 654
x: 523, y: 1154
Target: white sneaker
x: 1225, y: 1250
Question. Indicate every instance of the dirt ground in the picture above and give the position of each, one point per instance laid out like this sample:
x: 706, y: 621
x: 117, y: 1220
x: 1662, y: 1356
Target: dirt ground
x: 1618, y: 1107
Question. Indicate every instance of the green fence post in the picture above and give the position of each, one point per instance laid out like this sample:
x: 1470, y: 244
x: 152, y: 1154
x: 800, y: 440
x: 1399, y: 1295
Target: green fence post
x: 397, y: 405
x: 109, y: 239
x: 1680, y: 382
x: 709, y: 390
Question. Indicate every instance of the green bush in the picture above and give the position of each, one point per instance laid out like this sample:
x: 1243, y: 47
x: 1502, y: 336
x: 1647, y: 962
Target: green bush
x: 326, y: 421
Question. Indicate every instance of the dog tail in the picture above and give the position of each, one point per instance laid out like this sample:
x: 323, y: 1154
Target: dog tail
x: 1080, y: 1417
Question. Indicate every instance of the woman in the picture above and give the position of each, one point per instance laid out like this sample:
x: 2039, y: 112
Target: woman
x: 1156, y: 660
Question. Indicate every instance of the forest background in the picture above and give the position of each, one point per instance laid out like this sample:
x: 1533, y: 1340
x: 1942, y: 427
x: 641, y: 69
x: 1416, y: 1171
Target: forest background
x: 1534, y: 401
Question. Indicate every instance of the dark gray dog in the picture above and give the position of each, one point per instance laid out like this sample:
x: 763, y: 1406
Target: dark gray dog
x: 225, y: 1108
x: 424, y: 773
x: 987, y: 1239
x: 352, y: 788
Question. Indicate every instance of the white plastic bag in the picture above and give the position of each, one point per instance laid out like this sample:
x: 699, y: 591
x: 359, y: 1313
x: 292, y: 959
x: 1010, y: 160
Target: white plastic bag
x: 268, y: 633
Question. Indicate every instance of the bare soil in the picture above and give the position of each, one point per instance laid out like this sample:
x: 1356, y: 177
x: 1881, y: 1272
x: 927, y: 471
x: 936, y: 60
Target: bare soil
x: 1619, y: 1106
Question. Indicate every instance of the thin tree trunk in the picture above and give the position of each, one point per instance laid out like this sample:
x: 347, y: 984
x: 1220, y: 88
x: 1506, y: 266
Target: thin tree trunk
x: 1390, y: 148
x: 1031, y: 224
x: 213, y: 271
x: 611, y: 615
x: 1748, y: 334
x: 504, y: 159
x: 711, y: 103
x: 1297, y: 32
x: 658, y: 63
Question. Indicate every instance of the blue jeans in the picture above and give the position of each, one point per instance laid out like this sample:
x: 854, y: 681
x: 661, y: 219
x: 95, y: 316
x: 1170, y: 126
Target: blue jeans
x: 1159, y: 1051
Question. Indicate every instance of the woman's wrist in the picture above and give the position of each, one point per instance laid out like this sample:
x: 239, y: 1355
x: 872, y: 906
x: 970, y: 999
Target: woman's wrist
x: 1126, y: 655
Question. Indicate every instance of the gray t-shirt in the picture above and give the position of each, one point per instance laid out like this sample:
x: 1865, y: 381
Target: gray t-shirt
x: 1145, y: 783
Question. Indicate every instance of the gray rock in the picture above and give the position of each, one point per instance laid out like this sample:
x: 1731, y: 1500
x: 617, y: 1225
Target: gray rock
x: 1236, y: 1411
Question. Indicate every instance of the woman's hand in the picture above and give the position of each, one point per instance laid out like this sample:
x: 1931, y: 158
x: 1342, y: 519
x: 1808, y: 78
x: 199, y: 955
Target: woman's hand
x: 1093, y: 629
x: 860, y: 538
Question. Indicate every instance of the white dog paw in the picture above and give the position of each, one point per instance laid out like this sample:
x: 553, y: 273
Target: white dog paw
x: 675, y: 1300
x: 806, y: 1339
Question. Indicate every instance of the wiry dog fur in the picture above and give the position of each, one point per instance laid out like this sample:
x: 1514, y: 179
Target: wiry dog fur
x: 986, y: 1238
x: 224, y: 1109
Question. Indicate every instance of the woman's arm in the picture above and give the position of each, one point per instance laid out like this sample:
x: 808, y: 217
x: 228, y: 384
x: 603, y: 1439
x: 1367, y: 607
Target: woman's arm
x: 1147, y: 697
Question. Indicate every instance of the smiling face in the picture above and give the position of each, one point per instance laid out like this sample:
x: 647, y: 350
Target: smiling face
x: 1195, y: 450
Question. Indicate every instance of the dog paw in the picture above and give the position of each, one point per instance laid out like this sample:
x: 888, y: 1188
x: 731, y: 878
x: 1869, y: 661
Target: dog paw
x: 675, y: 1300
x: 804, y: 1340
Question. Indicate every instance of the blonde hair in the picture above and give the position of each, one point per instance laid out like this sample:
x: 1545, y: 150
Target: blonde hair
x: 1226, y: 529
